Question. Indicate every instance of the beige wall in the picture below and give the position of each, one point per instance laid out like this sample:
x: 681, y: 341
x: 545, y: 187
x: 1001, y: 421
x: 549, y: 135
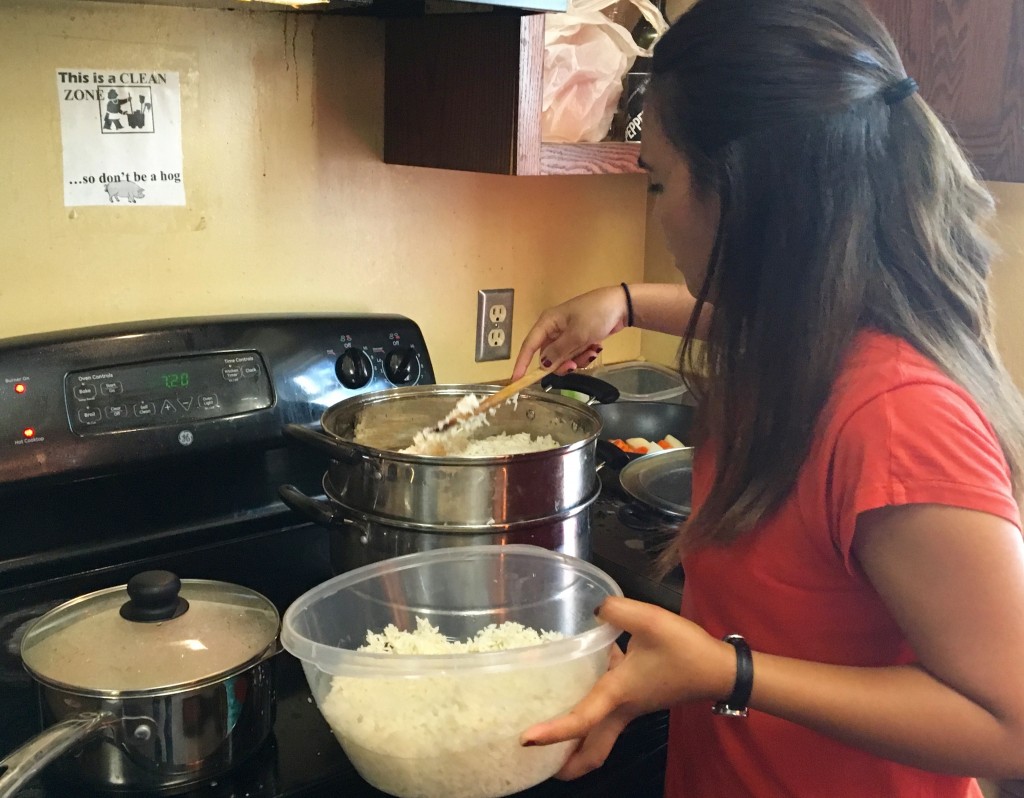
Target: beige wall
x: 1008, y: 276
x: 289, y: 205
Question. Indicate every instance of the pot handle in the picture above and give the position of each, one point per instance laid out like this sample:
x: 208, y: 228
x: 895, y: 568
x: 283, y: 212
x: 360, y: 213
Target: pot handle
x: 612, y: 456
x: 337, y: 449
x: 25, y: 762
x: 319, y: 512
x: 598, y: 390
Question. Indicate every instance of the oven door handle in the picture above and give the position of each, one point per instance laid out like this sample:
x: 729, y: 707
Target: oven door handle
x: 25, y: 762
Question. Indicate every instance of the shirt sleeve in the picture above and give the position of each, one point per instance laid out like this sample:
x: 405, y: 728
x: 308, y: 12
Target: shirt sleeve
x: 921, y: 443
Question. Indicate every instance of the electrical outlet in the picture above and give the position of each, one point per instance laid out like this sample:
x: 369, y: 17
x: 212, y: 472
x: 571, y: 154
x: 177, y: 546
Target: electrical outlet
x: 494, y: 324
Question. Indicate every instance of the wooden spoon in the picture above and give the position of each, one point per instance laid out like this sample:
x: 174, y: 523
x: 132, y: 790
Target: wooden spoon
x: 495, y: 399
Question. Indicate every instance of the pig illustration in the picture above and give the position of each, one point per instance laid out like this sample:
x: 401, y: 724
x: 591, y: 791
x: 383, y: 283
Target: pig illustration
x: 124, y: 189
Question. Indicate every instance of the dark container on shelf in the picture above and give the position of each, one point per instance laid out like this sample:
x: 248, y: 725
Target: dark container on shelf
x: 631, y: 106
x: 633, y: 99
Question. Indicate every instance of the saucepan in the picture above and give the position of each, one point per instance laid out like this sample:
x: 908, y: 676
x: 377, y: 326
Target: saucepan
x: 660, y: 483
x: 619, y: 419
x: 657, y: 488
x: 151, y: 685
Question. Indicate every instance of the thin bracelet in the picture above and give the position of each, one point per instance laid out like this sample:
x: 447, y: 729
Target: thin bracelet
x: 629, y: 305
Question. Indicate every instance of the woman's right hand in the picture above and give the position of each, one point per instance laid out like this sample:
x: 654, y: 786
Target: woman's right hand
x: 571, y: 333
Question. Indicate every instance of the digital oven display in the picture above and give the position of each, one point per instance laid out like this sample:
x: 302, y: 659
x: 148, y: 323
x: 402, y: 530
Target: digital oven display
x: 176, y: 379
x: 167, y: 392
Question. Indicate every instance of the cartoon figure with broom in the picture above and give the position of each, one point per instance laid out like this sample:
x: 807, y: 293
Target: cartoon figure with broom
x: 112, y: 118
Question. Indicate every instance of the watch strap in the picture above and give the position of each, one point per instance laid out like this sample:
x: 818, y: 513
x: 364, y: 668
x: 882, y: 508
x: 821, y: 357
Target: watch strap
x: 735, y: 705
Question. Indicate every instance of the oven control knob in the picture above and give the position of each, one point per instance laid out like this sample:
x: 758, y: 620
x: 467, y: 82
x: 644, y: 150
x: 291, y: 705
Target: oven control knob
x: 354, y: 368
x: 401, y: 366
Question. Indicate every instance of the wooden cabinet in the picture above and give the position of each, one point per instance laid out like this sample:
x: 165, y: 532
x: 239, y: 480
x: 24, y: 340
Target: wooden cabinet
x: 463, y: 91
x: 968, y: 57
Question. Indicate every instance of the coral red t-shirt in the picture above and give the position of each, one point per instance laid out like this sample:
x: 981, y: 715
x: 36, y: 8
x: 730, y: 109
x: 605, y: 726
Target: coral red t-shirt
x: 895, y: 431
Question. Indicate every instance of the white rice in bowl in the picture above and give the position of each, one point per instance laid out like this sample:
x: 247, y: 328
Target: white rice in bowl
x: 455, y: 734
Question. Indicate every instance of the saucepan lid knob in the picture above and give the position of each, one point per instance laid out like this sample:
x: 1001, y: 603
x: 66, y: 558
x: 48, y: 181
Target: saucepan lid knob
x: 153, y: 596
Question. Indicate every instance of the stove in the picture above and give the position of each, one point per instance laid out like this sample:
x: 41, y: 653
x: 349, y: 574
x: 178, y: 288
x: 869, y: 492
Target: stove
x: 158, y: 445
x: 627, y: 536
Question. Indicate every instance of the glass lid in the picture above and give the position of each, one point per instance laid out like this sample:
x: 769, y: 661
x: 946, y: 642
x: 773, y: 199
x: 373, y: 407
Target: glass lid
x: 156, y: 633
x: 662, y: 480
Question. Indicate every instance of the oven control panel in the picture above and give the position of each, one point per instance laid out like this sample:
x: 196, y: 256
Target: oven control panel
x: 167, y: 392
x: 101, y: 400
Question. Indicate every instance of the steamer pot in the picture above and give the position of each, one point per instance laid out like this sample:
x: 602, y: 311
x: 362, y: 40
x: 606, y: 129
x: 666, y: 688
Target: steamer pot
x: 358, y: 538
x: 368, y: 473
x: 154, y: 685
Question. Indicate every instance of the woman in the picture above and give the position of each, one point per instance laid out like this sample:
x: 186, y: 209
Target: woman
x: 860, y: 446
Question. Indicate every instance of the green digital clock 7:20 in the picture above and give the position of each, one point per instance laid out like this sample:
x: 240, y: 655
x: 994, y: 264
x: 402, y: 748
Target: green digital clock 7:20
x: 177, y: 379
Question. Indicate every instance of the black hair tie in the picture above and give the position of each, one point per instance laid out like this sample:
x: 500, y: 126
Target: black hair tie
x: 629, y: 305
x: 899, y: 91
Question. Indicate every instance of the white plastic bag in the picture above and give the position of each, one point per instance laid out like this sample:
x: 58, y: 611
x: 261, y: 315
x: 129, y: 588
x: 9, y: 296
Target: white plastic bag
x: 586, y: 57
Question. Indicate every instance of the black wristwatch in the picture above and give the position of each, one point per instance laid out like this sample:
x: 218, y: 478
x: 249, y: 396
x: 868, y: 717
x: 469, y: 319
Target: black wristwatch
x: 735, y: 706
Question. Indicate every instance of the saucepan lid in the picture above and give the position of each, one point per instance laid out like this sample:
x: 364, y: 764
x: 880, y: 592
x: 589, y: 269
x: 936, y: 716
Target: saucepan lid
x: 663, y: 480
x: 156, y: 634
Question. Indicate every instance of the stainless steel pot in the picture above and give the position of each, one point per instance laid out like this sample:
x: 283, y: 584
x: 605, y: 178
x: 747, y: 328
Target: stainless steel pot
x: 358, y: 538
x: 364, y: 434
x: 158, y: 683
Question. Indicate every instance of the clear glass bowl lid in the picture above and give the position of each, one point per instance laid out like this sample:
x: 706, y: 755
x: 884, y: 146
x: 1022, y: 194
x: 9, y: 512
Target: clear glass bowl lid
x: 155, y: 634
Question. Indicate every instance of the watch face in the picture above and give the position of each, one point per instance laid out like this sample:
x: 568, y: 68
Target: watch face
x: 722, y: 708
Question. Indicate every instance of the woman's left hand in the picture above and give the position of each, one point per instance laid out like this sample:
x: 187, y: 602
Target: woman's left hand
x: 668, y: 660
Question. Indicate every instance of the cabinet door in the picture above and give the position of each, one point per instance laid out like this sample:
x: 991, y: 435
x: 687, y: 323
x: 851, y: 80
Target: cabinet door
x: 464, y: 91
x: 458, y: 88
x: 968, y: 57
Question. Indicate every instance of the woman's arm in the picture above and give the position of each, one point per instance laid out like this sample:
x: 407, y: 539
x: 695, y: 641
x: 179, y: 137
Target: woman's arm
x: 570, y: 333
x: 954, y: 581
x: 665, y: 307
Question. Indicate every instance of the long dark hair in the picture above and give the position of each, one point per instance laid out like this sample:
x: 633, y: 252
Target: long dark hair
x: 839, y: 212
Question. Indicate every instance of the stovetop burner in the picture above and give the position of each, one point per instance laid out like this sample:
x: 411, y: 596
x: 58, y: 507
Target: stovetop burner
x: 644, y: 519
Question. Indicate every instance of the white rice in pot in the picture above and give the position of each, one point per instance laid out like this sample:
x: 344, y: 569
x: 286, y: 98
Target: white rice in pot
x: 455, y: 733
x: 460, y: 441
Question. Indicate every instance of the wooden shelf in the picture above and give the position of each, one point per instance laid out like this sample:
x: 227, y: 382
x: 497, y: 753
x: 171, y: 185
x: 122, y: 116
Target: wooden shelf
x: 603, y: 158
x: 464, y: 91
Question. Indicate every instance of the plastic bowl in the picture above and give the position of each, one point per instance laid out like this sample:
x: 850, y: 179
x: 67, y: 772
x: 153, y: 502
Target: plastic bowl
x: 448, y: 725
x: 639, y: 381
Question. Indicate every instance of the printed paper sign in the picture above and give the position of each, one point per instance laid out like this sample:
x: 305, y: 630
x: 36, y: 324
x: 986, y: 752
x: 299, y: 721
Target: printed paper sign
x: 121, y: 133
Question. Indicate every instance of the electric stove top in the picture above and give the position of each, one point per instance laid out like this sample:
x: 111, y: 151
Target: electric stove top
x: 158, y: 445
